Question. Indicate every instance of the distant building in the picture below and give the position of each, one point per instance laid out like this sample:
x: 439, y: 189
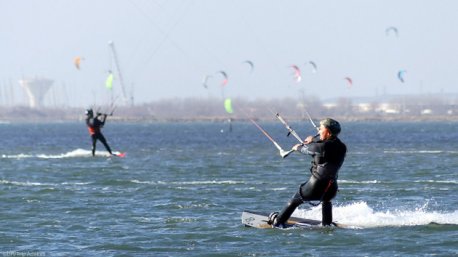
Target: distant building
x: 36, y: 89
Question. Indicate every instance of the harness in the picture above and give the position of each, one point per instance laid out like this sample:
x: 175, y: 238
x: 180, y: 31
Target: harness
x: 93, y: 125
x: 93, y: 130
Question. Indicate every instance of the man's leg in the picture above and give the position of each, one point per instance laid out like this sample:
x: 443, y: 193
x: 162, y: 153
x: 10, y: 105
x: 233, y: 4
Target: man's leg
x: 326, y: 211
x: 288, y: 210
x: 104, y: 142
x: 94, y: 141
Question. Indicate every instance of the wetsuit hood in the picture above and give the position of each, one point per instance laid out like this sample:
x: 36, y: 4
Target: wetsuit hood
x: 89, y: 113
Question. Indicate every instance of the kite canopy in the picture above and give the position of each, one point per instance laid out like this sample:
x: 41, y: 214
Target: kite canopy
x: 401, y: 74
x: 77, y: 62
x: 225, y: 78
x: 205, y: 81
x: 349, y: 81
x: 251, y: 64
x: 314, y: 67
x: 297, y: 73
x: 228, y: 105
x: 109, y: 81
x: 392, y: 30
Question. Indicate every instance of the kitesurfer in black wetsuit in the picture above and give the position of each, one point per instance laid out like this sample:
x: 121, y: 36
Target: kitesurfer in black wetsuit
x: 328, y: 156
x: 94, y: 125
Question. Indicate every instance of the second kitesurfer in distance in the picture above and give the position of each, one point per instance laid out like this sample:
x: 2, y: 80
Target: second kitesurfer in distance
x: 94, y: 125
x: 328, y: 155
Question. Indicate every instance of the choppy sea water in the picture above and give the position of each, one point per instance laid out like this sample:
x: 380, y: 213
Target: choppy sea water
x: 181, y: 189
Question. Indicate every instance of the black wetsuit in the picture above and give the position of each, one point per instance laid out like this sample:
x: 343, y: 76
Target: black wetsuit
x: 94, y: 126
x: 328, y: 157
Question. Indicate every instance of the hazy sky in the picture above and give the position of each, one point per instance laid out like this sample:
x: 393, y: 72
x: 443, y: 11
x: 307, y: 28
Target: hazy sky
x: 166, y: 48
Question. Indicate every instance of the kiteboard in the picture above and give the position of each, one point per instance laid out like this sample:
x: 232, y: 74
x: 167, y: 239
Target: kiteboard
x: 119, y: 154
x: 259, y: 220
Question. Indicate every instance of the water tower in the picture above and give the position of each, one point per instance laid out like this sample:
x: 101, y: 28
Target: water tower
x: 36, y: 89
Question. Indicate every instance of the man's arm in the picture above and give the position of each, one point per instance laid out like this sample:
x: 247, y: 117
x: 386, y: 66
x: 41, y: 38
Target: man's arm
x: 311, y: 148
x: 102, y: 121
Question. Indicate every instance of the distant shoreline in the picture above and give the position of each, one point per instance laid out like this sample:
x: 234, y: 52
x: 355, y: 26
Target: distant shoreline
x: 212, y: 110
x: 75, y: 115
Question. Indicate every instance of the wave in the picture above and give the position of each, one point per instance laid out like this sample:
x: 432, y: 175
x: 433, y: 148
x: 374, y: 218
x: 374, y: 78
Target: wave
x: 77, y: 153
x: 419, y: 152
x: 34, y: 184
x: 428, y: 181
x: 437, y: 181
x: 360, y: 215
x: 203, y: 182
x: 27, y: 183
x: 343, y: 181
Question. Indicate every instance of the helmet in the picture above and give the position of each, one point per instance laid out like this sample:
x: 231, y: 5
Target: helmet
x: 332, y: 125
x: 89, y: 112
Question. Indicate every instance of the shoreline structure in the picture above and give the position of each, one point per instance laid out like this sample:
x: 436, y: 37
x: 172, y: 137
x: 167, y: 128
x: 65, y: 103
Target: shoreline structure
x: 192, y: 109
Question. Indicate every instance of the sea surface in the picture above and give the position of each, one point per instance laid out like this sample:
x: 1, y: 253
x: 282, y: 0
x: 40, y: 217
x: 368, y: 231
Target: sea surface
x: 182, y: 187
